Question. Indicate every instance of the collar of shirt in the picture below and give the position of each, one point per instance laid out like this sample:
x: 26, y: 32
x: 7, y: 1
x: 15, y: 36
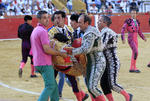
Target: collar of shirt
x: 39, y: 24
x: 61, y: 29
x: 104, y: 29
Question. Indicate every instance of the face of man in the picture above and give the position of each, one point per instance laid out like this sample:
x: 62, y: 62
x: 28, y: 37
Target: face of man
x: 44, y: 20
x: 74, y: 24
x: 100, y: 23
x: 133, y: 14
x: 59, y: 20
x: 83, y: 25
x: 29, y: 22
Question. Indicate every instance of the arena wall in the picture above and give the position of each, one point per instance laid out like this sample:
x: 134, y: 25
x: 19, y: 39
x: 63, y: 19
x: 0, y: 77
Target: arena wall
x: 9, y: 26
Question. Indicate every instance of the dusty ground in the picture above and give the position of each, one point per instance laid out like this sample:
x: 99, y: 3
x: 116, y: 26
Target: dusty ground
x: 12, y: 87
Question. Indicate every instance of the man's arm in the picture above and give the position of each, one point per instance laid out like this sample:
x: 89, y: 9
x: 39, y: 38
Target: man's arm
x: 52, y: 51
x: 87, y: 44
x: 123, y: 32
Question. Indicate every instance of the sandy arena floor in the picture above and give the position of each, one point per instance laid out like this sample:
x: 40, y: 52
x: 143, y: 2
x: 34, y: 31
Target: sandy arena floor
x: 13, y: 88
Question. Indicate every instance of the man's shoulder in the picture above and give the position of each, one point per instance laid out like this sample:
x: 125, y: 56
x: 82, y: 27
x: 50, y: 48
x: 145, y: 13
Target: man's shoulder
x: 109, y: 31
x: 69, y: 28
x: 52, y: 30
x: 92, y: 30
x: 39, y: 29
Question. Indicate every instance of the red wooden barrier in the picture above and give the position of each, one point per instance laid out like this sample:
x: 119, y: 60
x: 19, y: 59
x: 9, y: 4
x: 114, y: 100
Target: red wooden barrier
x: 118, y: 21
x: 9, y: 27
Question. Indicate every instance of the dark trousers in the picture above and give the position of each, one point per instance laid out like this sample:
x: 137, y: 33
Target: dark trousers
x: 105, y: 82
x: 109, y: 78
x: 25, y: 51
x: 72, y: 80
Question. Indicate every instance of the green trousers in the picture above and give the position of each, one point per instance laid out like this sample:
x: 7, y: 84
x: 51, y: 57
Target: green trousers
x: 51, y: 87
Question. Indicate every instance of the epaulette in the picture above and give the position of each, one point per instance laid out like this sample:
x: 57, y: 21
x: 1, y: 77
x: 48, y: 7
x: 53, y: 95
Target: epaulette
x: 52, y: 32
x: 70, y: 28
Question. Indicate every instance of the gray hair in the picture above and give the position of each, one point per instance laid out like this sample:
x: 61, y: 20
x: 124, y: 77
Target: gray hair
x: 40, y: 13
x: 107, y: 20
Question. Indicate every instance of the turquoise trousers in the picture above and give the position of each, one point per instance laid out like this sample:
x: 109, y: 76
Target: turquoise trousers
x: 51, y: 87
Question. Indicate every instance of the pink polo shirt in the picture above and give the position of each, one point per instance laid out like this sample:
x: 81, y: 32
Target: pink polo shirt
x: 39, y: 37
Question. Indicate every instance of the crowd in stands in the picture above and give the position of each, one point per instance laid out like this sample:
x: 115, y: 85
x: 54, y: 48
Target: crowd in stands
x: 117, y: 6
x: 30, y: 7
x: 25, y: 7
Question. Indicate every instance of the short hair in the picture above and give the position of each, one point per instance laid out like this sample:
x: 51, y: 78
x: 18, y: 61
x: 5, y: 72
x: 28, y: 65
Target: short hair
x: 63, y: 14
x: 107, y: 20
x: 40, y: 13
x: 27, y: 17
x: 74, y: 17
x: 87, y: 18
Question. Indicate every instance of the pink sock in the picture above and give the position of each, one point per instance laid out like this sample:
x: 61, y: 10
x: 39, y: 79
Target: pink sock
x: 100, y: 98
x: 109, y: 97
x: 22, y: 64
x: 135, y: 65
x: 83, y: 94
x: 92, y: 98
x: 32, y: 70
x: 125, y: 94
x: 132, y: 63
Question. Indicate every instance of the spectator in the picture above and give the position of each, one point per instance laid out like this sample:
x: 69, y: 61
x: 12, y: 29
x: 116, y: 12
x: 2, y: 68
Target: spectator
x: 34, y: 7
x: 123, y: 5
x: 23, y: 9
x: 45, y: 7
x: 1, y: 16
x: 133, y: 5
x: 93, y: 8
x: 28, y: 10
x: 18, y: 10
x: 28, y: 2
x: 98, y: 4
x: 109, y: 10
x: 51, y: 7
x: 103, y: 3
x: 2, y: 8
x: 69, y: 5
x: 11, y: 9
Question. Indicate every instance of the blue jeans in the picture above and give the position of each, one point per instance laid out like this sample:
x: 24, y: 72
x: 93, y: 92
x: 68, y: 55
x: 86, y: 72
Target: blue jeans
x: 61, y: 82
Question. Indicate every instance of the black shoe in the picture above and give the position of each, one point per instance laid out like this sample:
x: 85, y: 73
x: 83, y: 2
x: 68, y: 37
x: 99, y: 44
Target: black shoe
x: 137, y: 71
x: 33, y: 76
x: 148, y: 65
x: 20, y: 72
x: 131, y: 96
x: 60, y: 96
x: 85, y: 97
x: 131, y: 71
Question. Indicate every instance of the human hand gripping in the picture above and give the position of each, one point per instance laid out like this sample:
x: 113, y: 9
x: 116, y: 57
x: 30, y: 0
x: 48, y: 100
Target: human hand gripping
x: 69, y: 50
x: 52, y: 43
x: 63, y: 54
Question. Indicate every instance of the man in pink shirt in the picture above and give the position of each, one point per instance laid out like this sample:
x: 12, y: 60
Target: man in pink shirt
x: 42, y: 57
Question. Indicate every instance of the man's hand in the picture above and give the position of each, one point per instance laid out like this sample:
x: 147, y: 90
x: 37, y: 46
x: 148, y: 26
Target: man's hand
x: 52, y: 43
x: 69, y: 50
x: 63, y: 54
